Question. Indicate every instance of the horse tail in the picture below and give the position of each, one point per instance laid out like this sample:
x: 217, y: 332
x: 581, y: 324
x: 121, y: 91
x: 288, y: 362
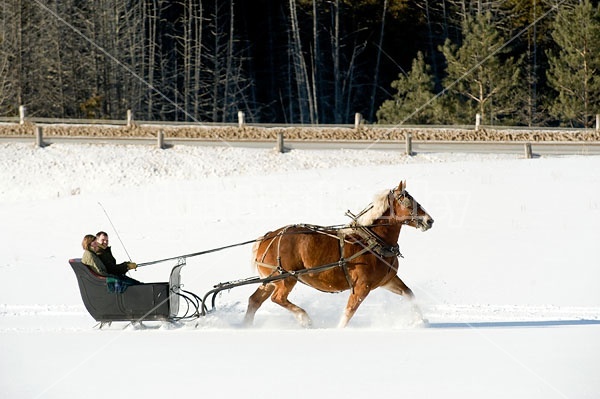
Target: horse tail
x: 255, y: 253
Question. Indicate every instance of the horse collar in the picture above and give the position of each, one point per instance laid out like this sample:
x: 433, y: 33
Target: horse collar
x: 376, y: 243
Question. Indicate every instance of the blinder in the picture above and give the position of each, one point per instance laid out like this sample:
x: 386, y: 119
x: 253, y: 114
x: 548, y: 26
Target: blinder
x: 406, y: 200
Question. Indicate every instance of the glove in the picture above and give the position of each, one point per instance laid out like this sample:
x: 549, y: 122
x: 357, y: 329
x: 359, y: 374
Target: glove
x: 131, y: 265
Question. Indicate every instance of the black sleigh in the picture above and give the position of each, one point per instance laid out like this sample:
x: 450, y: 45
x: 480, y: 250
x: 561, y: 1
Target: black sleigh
x: 143, y: 302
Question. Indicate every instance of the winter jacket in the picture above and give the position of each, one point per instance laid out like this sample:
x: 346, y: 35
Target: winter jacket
x: 114, y: 283
x: 110, y: 262
x: 93, y: 261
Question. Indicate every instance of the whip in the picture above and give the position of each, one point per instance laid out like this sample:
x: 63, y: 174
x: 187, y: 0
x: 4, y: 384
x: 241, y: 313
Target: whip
x: 115, y: 230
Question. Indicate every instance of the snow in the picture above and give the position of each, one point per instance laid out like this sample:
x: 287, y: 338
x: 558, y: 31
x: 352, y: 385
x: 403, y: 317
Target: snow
x: 507, y: 277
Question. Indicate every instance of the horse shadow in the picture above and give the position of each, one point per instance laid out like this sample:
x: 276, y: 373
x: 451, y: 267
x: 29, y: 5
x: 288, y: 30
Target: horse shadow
x: 514, y: 324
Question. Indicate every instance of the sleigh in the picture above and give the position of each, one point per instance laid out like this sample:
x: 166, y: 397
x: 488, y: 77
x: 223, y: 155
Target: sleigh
x: 143, y: 302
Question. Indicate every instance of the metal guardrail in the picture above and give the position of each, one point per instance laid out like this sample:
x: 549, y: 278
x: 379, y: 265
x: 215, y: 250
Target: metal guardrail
x: 528, y: 149
x: 409, y: 146
x: 123, y: 122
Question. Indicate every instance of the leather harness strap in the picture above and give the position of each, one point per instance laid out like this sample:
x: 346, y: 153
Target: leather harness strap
x: 342, y: 262
x: 370, y: 242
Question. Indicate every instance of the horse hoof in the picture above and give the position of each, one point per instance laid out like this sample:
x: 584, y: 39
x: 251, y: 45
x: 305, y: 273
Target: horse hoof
x: 419, y: 323
x: 305, y: 321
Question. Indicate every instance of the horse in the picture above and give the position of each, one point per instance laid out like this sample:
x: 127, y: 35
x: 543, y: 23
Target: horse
x: 360, y: 256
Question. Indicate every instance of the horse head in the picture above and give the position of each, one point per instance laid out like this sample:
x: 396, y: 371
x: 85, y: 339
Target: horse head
x: 406, y: 210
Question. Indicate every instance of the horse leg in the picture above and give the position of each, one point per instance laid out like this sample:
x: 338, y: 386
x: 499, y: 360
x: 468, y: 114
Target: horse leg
x: 280, y: 297
x: 256, y: 300
x: 397, y: 286
x: 356, y: 298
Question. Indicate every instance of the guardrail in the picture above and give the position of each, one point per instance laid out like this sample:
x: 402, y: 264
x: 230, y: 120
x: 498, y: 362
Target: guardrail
x: 358, y: 121
x: 408, y: 146
x: 405, y: 143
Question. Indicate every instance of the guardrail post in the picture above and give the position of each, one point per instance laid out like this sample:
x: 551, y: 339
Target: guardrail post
x: 21, y: 114
x: 477, y: 121
x: 39, y: 139
x: 280, y: 146
x: 129, y: 118
x: 528, y: 153
x: 160, y: 139
x: 357, y: 120
x: 598, y: 122
x: 241, y: 121
x: 409, y: 151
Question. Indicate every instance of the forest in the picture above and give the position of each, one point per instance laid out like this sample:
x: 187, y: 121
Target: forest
x: 512, y: 62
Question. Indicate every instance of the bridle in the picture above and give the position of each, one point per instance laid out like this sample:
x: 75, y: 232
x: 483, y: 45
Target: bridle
x: 382, y: 248
x: 406, y: 200
x: 379, y: 246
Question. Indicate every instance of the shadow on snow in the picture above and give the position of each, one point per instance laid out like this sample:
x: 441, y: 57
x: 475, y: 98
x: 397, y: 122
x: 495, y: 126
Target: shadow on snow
x: 515, y: 324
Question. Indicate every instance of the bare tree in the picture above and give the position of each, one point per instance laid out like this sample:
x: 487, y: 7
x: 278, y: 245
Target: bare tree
x: 315, y: 60
x: 335, y: 49
x: 190, y: 49
x: 304, y: 93
x: 377, y: 63
x: 10, y: 57
x: 225, y: 86
x: 38, y: 65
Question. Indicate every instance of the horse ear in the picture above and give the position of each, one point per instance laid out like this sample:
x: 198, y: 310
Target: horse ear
x: 402, y: 185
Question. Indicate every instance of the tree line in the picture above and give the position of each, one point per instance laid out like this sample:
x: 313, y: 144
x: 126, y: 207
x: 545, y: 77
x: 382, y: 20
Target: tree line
x: 532, y: 63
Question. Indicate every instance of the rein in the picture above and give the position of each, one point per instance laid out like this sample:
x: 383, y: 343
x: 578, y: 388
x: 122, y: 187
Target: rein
x: 316, y: 230
x: 373, y: 242
x: 208, y: 251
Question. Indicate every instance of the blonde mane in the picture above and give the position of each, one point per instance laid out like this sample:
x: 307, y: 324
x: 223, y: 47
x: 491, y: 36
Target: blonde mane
x: 379, y: 205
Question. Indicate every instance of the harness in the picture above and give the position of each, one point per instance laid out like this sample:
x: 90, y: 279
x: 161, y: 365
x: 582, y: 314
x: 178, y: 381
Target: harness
x: 367, y: 238
x: 369, y: 241
x: 341, y: 263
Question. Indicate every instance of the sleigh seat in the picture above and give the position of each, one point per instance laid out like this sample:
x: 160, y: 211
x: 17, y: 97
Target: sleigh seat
x: 142, y: 302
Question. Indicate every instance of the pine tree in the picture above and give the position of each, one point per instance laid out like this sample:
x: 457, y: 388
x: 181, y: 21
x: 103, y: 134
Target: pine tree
x: 574, y: 68
x: 412, y: 101
x: 481, y: 77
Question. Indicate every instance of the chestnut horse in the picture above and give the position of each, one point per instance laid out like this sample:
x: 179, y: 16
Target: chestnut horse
x: 361, y: 256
